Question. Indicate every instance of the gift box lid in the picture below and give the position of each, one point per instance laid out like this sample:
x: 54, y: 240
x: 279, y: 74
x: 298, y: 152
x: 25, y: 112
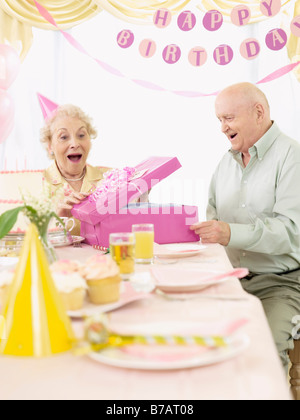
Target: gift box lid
x: 147, y: 174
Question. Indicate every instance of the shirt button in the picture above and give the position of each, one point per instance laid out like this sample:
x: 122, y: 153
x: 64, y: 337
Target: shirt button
x: 245, y: 182
x: 243, y: 205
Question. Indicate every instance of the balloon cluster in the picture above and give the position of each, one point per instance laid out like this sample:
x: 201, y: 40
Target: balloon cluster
x: 9, y: 68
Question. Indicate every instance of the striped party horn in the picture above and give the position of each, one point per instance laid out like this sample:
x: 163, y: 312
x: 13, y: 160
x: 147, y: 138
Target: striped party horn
x: 99, y: 337
x: 207, y: 341
x: 122, y: 341
x: 101, y: 248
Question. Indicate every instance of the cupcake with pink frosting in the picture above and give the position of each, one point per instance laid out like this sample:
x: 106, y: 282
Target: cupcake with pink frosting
x: 72, y: 289
x: 69, y: 283
x: 69, y: 266
x: 103, y: 279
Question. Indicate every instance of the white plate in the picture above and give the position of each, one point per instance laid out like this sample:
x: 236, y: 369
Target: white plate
x: 128, y: 295
x: 60, y: 241
x: 118, y: 358
x: 178, y: 280
x: 57, y: 239
x: 178, y: 250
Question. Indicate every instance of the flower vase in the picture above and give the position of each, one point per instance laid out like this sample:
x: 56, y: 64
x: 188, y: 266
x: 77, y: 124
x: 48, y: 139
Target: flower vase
x: 44, y: 238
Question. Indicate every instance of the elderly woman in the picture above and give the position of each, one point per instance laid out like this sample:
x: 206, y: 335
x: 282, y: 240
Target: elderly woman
x: 67, y: 136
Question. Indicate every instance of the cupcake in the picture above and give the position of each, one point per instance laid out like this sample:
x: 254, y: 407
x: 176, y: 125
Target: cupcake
x: 6, y: 278
x: 69, y: 266
x: 103, y: 278
x: 71, y: 287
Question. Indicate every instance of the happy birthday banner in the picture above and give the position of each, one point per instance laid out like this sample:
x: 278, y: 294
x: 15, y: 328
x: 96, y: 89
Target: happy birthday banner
x: 275, y: 39
x: 223, y: 54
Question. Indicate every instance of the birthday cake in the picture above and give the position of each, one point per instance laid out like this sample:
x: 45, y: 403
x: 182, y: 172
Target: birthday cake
x: 12, y: 185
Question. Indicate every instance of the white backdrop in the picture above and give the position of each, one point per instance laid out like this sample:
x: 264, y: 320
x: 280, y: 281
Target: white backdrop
x: 134, y: 122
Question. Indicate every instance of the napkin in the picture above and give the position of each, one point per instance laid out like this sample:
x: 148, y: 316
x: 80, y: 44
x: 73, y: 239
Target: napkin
x: 128, y: 295
x: 177, y: 276
x: 164, y: 354
x: 173, y: 353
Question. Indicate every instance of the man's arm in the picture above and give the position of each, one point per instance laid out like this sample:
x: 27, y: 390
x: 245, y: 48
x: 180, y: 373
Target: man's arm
x: 276, y: 234
x: 212, y: 231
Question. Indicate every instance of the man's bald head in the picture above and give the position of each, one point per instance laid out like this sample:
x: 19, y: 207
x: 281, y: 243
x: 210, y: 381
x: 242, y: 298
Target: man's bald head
x: 244, y: 113
x: 246, y: 95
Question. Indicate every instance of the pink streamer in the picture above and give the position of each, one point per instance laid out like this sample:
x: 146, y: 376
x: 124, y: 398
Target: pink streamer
x: 279, y: 73
x: 74, y: 43
x: 191, y: 94
x: 46, y: 15
x: 109, y: 68
x: 149, y: 85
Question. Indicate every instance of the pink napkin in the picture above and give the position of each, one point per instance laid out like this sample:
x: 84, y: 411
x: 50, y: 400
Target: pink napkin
x: 128, y: 295
x: 173, y: 353
x: 191, y: 277
x: 164, y: 353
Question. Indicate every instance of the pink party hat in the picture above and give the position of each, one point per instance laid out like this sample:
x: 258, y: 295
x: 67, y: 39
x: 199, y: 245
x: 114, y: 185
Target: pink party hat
x: 47, y: 106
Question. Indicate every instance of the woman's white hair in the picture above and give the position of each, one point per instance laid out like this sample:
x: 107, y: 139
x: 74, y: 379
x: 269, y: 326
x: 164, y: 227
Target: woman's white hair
x: 66, y: 111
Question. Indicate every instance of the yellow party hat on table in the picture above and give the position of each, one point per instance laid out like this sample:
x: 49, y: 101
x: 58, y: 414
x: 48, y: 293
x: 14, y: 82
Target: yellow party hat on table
x: 36, y: 322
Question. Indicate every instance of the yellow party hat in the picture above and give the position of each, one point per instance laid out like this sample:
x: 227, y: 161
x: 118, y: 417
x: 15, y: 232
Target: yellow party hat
x: 35, y: 318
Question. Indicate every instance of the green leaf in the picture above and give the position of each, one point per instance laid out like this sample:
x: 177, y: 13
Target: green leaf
x: 8, y: 220
x: 31, y: 209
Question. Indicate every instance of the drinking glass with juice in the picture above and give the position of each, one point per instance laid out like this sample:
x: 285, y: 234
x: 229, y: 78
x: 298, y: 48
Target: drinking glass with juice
x: 122, y: 249
x: 144, y: 243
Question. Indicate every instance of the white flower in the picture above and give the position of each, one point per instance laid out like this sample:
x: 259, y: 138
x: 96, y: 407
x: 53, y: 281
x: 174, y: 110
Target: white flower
x: 44, y: 205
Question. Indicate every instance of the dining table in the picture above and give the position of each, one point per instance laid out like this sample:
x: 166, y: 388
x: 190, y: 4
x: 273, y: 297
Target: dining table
x: 251, y: 371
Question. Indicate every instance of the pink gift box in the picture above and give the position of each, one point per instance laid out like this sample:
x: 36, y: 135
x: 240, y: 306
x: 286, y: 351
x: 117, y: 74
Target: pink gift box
x: 171, y: 223
x: 111, y: 213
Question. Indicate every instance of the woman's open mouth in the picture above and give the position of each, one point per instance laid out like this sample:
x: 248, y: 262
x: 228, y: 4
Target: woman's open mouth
x: 75, y: 158
x: 233, y: 136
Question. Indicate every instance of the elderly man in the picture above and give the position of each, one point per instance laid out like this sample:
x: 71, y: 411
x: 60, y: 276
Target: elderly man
x: 254, y: 206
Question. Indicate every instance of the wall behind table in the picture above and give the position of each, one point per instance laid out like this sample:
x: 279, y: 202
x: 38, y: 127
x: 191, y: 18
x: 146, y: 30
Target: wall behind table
x: 134, y: 122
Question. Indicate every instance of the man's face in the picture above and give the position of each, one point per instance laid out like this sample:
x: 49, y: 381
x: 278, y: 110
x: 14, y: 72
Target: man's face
x: 238, y: 121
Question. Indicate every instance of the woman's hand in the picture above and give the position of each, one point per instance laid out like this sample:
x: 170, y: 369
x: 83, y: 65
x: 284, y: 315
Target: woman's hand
x: 65, y: 206
x: 144, y: 198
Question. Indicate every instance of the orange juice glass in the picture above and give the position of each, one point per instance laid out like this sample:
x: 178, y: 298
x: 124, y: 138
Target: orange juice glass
x: 144, y: 243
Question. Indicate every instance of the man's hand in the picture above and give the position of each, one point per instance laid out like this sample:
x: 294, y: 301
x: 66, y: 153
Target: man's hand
x: 213, y: 232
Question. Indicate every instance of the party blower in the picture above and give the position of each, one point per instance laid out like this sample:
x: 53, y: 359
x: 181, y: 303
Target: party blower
x: 99, y: 337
